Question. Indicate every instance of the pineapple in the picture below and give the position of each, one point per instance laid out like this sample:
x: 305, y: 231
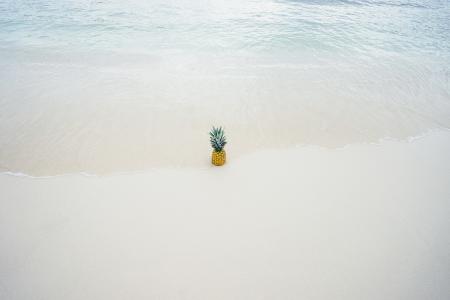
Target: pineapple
x: 218, y: 141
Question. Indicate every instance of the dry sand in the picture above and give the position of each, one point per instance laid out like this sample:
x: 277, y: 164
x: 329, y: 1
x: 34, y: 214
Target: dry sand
x: 362, y: 222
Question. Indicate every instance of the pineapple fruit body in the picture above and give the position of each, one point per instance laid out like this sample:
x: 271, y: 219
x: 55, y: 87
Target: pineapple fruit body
x: 218, y: 157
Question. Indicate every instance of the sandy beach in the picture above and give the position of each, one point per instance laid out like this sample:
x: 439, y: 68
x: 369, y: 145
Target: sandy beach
x: 367, y: 221
x: 336, y: 118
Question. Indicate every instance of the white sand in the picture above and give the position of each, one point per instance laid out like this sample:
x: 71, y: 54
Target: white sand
x: 362, y: 222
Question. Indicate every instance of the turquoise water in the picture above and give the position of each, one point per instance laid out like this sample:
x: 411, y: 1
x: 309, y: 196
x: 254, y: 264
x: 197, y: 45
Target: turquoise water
x: 104, y: 86
x: 345, y: 27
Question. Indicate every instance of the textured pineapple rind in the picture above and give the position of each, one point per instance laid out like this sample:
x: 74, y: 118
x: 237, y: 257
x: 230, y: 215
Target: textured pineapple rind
x: 218, y: 158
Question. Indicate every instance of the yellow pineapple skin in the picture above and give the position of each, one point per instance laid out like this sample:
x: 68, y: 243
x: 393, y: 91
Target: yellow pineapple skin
x: 218, y: 158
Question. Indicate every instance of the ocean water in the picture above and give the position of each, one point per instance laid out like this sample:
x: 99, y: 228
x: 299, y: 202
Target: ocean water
x: 116, y: 86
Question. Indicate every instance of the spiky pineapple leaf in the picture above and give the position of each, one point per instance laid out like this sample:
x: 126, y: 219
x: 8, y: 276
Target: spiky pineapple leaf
x: 217, y: 138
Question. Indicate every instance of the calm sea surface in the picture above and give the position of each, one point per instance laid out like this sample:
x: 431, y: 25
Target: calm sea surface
x: 111, y: 86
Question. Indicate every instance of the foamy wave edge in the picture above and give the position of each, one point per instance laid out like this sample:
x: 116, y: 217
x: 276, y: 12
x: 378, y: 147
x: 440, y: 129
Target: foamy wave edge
x: 379, y: 142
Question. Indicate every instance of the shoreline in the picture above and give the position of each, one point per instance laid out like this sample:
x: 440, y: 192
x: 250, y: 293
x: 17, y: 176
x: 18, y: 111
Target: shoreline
x: 207, y: 165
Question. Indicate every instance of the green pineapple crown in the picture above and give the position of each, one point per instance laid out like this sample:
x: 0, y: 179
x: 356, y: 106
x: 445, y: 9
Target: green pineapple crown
x: 217, y: 138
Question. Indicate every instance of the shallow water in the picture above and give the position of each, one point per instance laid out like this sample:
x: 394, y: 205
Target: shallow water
x: 109, y: 86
